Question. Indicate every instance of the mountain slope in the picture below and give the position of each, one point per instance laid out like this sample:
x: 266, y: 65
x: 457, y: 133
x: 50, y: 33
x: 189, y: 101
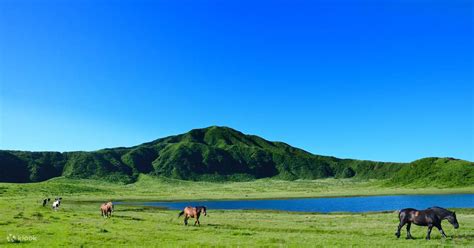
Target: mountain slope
x: 437, y: 172
x: 213, y: 154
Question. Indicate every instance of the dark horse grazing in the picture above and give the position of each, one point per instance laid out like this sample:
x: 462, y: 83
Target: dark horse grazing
x: 190, y: 212
x: 106, y: 209
x: 45, y: 201
x: 430, y: 217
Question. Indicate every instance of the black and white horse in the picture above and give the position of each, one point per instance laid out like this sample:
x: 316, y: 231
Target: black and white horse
x: 46, y: 200
x: 57, y: 203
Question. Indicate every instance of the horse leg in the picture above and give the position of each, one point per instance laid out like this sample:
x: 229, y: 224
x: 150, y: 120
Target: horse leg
x: 428, y: 235
x: 402, y: 223
x: 185, y: 220
x: 408, y: 231
x: 441, y: 230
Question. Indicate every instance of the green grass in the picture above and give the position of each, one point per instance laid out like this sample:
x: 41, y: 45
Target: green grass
x: 148, y: 187
x: 78, y: 222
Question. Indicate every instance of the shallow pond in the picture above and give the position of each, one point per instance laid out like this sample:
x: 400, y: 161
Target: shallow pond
x: 325, y: 205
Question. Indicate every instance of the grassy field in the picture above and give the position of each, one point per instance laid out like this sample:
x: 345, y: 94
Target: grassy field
x: 150, y: 188
x: 78, y: 222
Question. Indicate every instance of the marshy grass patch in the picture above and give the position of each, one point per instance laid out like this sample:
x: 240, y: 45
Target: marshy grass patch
x: 37, y: 215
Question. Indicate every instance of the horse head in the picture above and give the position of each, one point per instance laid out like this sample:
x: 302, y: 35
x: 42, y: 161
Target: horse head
x: 110, y: 204
x: 453, y: 220
x: 202, y: 209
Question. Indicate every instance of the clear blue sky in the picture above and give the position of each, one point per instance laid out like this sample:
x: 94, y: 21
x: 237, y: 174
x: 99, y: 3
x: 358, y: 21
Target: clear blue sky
x: 379, y: 80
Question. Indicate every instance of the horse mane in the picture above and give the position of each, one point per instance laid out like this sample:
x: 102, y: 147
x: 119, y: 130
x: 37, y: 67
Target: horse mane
x: 201, y: 207
x: 441, y: 211
x: 440, y: 208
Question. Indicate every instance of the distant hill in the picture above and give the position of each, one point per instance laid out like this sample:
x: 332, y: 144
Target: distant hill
x: 222, y: 153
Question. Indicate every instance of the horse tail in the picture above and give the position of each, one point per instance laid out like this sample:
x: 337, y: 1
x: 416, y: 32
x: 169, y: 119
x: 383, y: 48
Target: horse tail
x: 181, y: 213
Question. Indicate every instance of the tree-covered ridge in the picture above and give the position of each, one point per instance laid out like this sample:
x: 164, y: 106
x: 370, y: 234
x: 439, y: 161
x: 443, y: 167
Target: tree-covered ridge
x: 221, y: 153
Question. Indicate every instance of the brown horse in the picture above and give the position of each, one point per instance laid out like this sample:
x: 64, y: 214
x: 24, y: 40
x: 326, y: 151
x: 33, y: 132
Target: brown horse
x: 106, y: 209
x: 190, y: 212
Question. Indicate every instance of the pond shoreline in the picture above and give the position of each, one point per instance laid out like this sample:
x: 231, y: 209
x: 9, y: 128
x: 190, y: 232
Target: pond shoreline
x: 388, y: 203
x: 152, y: 199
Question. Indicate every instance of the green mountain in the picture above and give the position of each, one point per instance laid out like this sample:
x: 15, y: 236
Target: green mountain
x: 221, y: 153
